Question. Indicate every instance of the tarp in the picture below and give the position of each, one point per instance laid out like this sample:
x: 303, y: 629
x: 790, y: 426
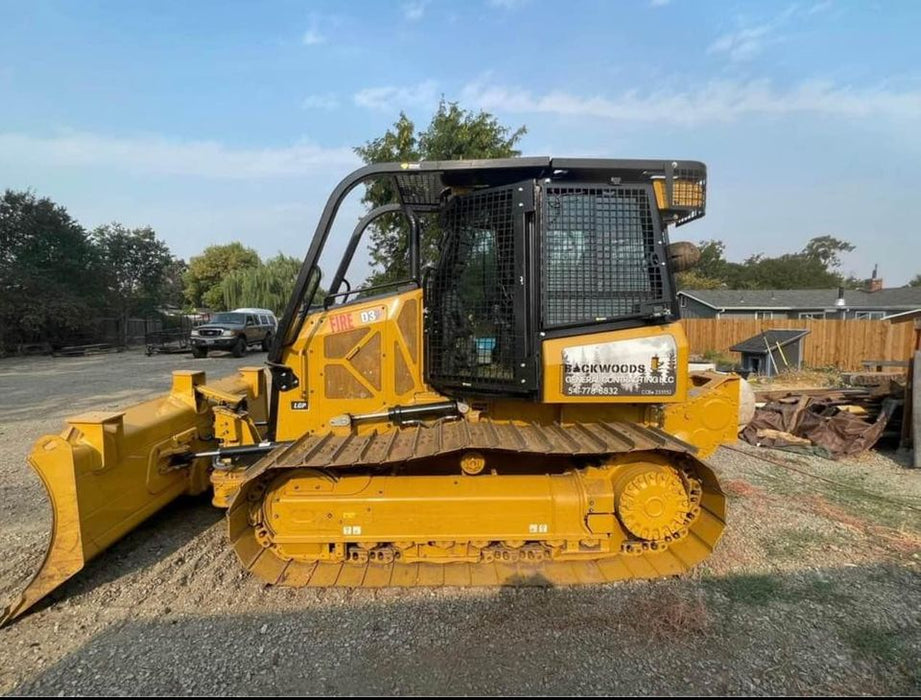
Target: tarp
x: 815, y: 426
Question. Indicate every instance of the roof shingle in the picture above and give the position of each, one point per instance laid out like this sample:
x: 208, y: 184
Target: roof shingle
x: 773, y: 338
x: 894, y: 298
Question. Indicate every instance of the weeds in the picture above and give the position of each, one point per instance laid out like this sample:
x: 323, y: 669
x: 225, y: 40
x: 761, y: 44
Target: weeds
x: 671, y: 615
x: 720, y: 358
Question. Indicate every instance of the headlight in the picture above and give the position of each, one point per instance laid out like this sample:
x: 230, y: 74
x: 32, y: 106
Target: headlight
x: 195, y: 333
x: 227, y: 332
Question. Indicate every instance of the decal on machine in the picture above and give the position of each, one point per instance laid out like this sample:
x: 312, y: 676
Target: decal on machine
x: 636, y: 367
x: 340, y: 323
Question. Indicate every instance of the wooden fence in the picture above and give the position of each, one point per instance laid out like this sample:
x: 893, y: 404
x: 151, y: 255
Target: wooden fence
x: 841, y: 344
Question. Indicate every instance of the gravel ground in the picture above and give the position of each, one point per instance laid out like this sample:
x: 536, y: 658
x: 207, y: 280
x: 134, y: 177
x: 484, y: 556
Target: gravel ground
x: 814, y: 589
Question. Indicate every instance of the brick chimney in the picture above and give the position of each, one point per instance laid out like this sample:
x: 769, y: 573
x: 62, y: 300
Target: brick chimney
x: 874, y: 284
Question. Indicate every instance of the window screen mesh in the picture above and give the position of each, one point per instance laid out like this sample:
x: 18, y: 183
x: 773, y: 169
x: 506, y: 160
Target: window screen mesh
x: 599, y: 259
x: 472, y: 316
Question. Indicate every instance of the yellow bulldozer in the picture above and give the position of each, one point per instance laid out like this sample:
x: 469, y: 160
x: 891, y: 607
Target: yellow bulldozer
x: 519, y: 411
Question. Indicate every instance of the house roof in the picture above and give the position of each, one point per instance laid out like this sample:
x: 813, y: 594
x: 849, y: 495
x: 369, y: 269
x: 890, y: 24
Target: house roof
x: 760, y: 342
x: 892, y: 299
x: 904, y: 316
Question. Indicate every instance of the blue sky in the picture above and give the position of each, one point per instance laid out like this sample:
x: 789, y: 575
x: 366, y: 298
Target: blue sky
x: 226, y: 121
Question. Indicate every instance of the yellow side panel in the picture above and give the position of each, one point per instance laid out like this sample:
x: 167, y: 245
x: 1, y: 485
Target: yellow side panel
x: 638, y: 365
x: 358, y: 358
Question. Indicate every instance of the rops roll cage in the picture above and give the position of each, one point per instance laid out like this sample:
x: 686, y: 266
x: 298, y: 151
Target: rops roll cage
x: 419, y: 188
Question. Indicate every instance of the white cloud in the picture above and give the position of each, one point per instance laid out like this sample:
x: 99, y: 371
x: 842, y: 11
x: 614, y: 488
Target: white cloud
x: 749, y: 40
x: 743, y: 44
x: 313, y: 36
x: 716, y: 101
x: 327, y: 101
x: 157, y: 155
x: 819, y: 7
x: 414, y: 9
x: 508, y: 4
x: 391, y: 97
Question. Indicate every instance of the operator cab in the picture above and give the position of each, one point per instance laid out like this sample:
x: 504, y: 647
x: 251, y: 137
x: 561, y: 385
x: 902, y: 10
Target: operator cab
x: 530, y: 249
x: 536, y: 259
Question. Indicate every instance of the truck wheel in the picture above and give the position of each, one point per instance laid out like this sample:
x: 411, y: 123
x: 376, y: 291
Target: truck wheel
x: 239, y: 348
x: 267, y: 342
x: 199, y: 353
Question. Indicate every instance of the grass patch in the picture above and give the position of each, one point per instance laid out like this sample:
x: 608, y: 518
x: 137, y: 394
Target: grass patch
x: 763, y: 589
x: 855, y: 495
x: 793, y: 543
x: 823, y: 591
x: 747, y: 589
x: 856, y: 499
x: 882, y: 644
x: 891, y: 651
x: 789, y: 542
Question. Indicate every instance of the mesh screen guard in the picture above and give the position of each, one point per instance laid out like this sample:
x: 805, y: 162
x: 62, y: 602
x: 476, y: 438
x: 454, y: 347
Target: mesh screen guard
x: 601, y: 255
x: 475, y: 299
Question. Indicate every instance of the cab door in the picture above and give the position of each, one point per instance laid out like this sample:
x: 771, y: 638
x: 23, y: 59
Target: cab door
x: 477, y: 301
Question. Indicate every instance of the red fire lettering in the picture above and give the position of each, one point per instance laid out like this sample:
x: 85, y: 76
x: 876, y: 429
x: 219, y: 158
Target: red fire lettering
x: 342, y: 322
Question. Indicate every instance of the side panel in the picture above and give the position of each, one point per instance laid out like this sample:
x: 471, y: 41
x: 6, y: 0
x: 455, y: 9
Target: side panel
x: 638, y: 365
x: 357, y: 358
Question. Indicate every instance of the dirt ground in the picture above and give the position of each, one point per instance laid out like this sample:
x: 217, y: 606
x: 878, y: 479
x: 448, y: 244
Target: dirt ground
x: 815, y: 588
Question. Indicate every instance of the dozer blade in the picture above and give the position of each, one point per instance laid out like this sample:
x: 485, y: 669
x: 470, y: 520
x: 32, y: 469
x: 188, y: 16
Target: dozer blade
x: 108, y: 472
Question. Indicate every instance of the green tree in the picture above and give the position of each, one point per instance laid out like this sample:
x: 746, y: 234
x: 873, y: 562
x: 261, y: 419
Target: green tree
x: 710, y: 272
x: 174, y: 284
x: 713, y: 262
x: 453, y: 133
x: 49, y: 271
x: 814, y: 267
x: 789, y: 271
x: 268, y: 286
x: 135, y: 264
x: 827, y: 251
x: 692, y: 279
x: 203, y: 278
x: 916, y: 282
